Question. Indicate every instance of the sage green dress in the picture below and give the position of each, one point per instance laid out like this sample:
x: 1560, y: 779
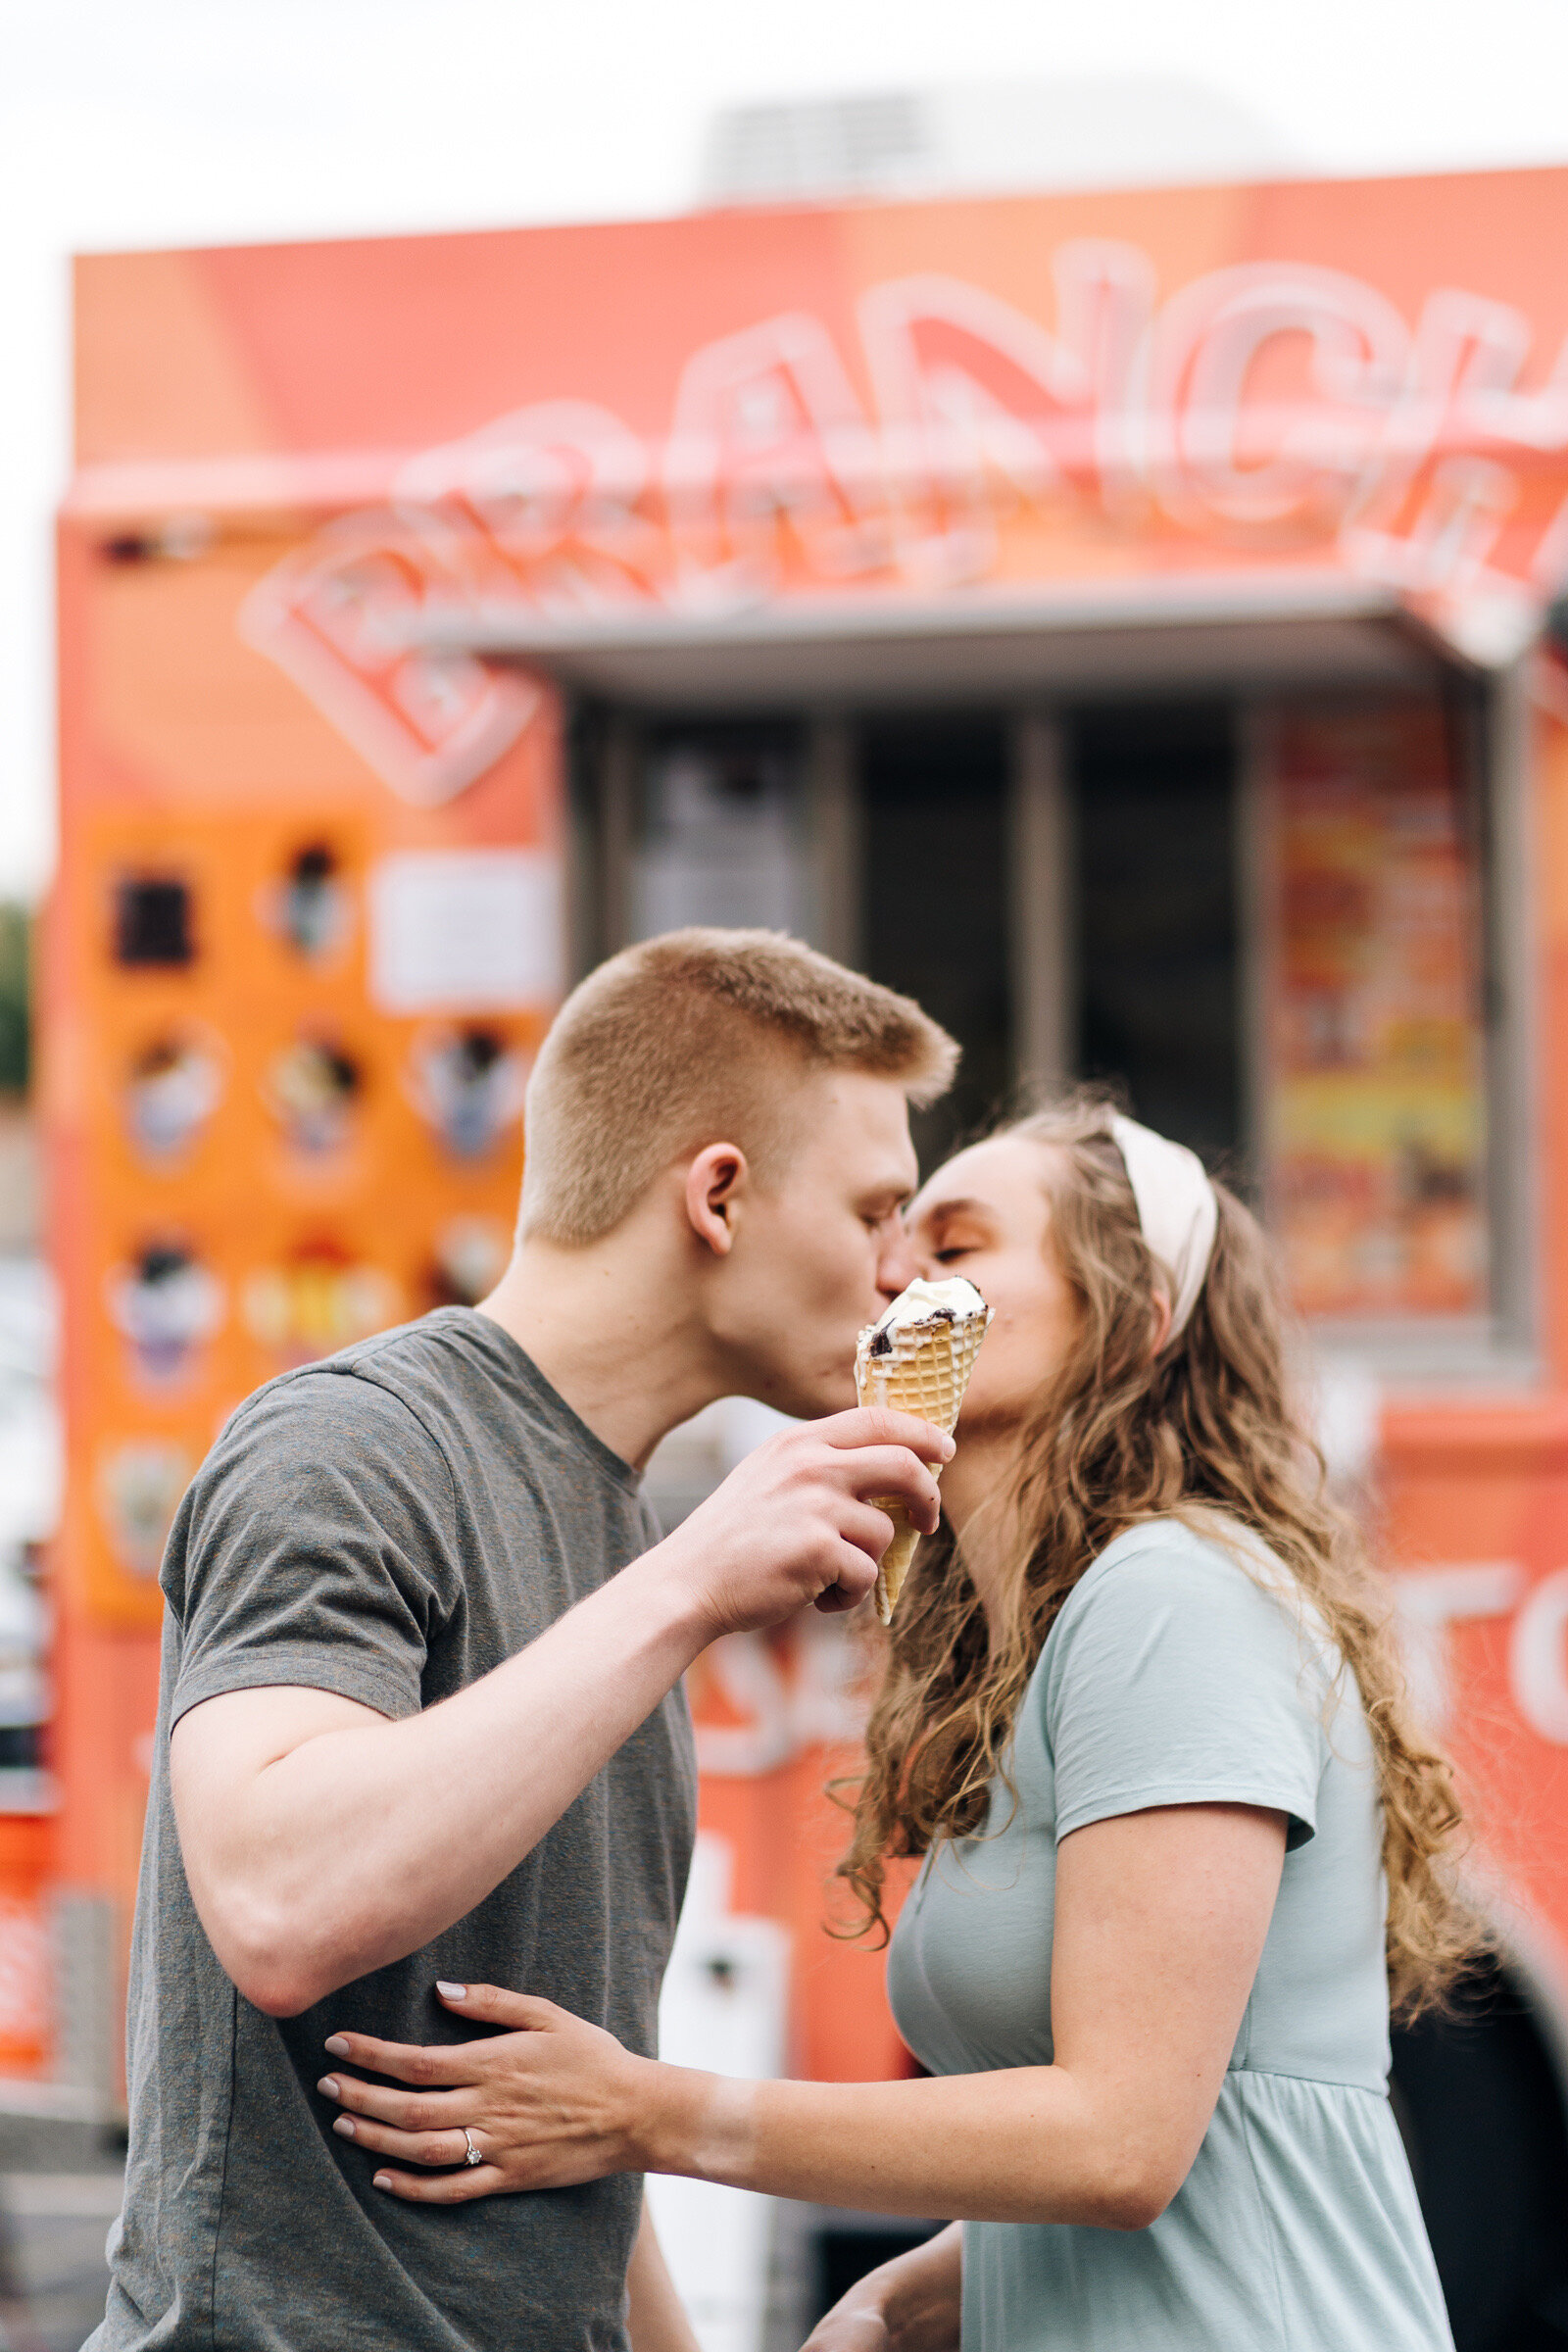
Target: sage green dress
x: 1173, y: 1676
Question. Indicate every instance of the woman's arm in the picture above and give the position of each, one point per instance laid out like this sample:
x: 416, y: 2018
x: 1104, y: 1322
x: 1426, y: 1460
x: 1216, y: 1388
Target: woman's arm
x: 911, y: 2304
x: 656, y: 2317
x: 1161, y: 1920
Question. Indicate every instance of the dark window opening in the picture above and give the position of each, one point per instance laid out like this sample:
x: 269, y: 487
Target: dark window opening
x: 153, y: 922
x: 721, y: 831
x: 1153, y: 909
x: 934, y: 899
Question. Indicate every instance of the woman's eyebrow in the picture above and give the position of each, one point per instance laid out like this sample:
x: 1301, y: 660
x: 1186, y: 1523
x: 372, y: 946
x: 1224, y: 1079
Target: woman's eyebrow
x: 939, y: 1209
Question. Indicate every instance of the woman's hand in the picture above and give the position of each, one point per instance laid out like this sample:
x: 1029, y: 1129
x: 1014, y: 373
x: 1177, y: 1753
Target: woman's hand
x: 910, y: 2304
x: 549, y: 2103
x: 855, y: 2324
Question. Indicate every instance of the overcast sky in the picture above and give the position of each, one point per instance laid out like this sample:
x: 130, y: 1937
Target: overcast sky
x: 200, y: 121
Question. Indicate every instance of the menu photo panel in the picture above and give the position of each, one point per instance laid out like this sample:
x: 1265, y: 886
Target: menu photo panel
x: 1375, y: 1125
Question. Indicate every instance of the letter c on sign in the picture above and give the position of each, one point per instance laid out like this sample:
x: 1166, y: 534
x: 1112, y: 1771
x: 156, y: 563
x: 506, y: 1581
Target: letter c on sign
x: 1538, y: 1659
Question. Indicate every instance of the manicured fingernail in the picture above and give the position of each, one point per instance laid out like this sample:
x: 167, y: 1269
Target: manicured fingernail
x: 336, y: 2046
x: 344, y: 2126
x: 452, y: 1992
x: 381, y: 2181
x: 327, y: 2087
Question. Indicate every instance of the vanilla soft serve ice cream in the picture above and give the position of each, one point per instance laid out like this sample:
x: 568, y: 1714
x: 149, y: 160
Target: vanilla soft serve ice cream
x: 917, y: 1357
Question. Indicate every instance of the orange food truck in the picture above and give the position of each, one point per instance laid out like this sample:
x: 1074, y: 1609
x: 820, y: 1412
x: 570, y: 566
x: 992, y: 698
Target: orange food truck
x: 1124, y: 621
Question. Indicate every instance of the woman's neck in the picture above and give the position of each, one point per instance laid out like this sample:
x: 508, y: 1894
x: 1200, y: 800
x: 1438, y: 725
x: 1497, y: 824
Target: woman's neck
x: 977, y: 1497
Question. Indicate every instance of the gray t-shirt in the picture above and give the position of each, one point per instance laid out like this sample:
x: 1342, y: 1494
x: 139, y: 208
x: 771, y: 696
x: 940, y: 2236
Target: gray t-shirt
x: 1173, y: 1676
x: 389, y: 1525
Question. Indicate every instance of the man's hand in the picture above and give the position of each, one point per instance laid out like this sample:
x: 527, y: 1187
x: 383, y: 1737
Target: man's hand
x: 795, y: 1522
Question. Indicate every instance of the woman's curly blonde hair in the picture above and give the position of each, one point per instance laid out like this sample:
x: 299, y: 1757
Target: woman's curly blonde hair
x: 1203, y: 1432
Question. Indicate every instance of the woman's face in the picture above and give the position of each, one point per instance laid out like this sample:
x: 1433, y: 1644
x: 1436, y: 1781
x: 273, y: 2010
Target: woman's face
x: 987, y: 1216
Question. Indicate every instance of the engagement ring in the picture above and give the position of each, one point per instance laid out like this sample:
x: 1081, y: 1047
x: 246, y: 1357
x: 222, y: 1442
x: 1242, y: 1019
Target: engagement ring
x: 473, y: 2156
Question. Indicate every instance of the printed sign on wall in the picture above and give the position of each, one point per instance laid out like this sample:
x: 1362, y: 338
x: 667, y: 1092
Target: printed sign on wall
x: 1376, y: 1127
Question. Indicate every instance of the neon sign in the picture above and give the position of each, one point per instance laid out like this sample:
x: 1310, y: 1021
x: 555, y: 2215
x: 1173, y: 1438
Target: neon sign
x: 1264, y: 417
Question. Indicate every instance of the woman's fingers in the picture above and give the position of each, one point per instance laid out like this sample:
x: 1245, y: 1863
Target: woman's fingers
x: 405, y: 2110
x: 409, y: 2062
x: 492, y: 2005
x: 443, y: 2147
x: 443, y: 2064
x: 443, y: 2188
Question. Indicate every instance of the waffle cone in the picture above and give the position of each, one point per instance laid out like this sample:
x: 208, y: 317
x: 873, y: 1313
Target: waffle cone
x: 925, y: 1373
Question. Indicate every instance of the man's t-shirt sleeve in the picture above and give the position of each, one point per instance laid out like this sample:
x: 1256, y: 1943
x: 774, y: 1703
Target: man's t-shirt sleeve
x: 1175, y: 1678
x: 316, y: 1547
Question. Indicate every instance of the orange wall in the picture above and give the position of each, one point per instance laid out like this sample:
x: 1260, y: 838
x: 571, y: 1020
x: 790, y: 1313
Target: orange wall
x: 184, y: 753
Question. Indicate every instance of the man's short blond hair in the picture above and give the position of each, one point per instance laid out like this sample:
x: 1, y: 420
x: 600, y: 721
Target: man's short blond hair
x: 693, y: 1039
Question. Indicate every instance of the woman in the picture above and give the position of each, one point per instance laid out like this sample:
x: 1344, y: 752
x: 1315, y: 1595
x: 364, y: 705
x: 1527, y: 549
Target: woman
x: 1142, y: 1717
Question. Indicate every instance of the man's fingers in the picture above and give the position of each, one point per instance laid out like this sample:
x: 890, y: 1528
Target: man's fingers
x: 493, y: 2006
x: 880, y: 1425
x: 408, y: 2062
x: 875, y: 1471
x: 865, y: 1529
x: 855, y: 1577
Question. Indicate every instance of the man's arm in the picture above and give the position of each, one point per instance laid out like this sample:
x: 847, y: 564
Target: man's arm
x: 321, y: 1840
x: 656, y: 2317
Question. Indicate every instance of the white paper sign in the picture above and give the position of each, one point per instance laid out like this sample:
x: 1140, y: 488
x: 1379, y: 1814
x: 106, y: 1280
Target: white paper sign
x: 467, y: 931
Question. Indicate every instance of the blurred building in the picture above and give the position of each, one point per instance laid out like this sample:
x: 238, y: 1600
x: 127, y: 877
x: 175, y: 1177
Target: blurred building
x: 983, y: 138
x: 1122, y: 620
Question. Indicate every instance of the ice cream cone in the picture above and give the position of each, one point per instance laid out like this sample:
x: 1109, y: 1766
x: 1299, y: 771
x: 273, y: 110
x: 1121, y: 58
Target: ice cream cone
x: 921, y: 1365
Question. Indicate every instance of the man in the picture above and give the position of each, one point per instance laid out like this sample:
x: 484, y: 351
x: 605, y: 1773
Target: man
x: 421, y: 1717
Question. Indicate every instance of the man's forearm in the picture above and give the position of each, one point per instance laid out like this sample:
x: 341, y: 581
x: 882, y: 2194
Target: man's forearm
x: 361, y: 1844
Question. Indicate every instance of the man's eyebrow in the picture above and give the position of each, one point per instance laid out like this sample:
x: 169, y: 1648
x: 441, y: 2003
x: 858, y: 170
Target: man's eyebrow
x: 896, y: 1190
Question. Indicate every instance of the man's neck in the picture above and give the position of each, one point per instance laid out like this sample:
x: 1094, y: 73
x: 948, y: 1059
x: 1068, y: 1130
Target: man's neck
x: 613, y: 1328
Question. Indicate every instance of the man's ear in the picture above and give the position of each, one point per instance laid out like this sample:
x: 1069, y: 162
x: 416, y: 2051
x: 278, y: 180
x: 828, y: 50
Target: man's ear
x: 714, y: 1182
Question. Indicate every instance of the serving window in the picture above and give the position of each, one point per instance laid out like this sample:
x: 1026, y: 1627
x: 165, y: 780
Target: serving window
x: 1264, y: 917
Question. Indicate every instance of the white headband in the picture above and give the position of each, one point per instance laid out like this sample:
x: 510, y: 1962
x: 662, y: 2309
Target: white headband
x: 1176, y: 1208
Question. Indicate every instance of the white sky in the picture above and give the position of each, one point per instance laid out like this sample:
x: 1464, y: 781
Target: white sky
x: 200, y: 121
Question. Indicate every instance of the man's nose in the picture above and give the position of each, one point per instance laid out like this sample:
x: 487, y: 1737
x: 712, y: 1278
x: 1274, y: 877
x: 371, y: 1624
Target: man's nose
x: 899, y: 1261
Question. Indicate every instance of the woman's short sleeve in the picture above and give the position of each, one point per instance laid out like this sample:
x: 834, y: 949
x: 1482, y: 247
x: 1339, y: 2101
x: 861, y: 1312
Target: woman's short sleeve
x: 1173, y: 1677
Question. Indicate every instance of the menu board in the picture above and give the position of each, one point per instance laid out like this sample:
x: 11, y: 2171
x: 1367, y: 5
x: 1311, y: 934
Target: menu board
x: 1376, y: 1125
